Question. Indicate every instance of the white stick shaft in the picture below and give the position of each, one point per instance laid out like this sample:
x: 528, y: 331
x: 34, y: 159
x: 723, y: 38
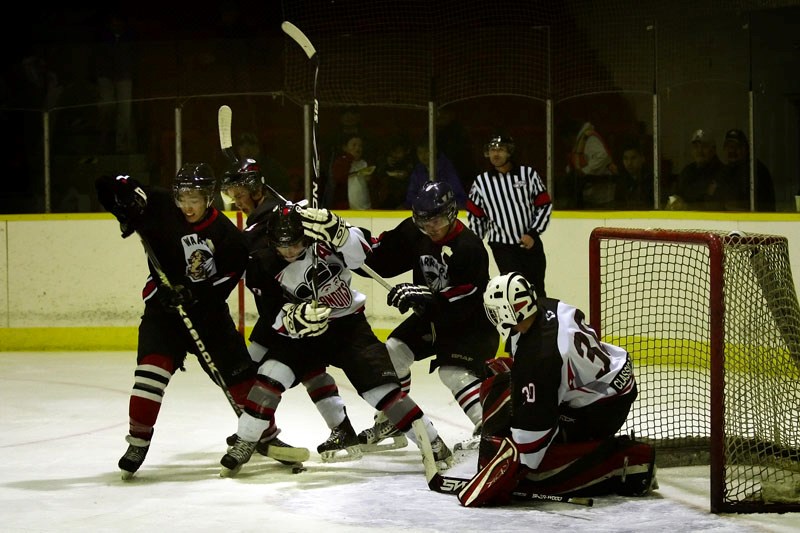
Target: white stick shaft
x: 374, y: 275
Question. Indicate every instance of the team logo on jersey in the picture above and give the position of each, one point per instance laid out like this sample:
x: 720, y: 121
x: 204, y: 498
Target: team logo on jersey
x: 332, y: 290
x: 529, y: 392
x: 199, y: 255
x: 435, y: 272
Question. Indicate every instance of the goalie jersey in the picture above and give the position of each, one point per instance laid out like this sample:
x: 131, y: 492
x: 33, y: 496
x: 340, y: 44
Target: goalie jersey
x: 558, y: 363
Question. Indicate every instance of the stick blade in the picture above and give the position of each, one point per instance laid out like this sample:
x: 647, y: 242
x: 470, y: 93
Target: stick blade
x: 224, y: 122
x: 299, y: 37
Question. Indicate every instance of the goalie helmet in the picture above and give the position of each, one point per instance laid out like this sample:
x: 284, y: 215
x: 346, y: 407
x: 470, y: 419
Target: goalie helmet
x: 284, y: 226
x: 245, y: 173
x: 508, y: 300
x: 499, y: 141
x: 435, y: 198
x: 195, y: 177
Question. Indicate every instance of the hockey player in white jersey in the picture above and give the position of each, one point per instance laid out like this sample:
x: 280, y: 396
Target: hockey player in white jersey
x: 302, y: 281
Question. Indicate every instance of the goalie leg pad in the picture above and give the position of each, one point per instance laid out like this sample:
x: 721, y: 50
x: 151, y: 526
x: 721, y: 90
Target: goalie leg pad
x: 494, y: 484
x: 616, y: 465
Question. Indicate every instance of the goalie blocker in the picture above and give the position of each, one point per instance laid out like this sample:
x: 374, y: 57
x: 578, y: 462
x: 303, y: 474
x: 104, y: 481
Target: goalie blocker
x: 614, y: 465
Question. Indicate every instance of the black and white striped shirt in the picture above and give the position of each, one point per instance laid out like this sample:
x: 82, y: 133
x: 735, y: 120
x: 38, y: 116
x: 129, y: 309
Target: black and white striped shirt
x: 505, y: 206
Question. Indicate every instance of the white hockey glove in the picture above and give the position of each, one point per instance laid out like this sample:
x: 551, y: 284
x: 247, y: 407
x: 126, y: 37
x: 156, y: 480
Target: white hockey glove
x: 407, y: 296
x: 322, y: 225
x: 305, y: 320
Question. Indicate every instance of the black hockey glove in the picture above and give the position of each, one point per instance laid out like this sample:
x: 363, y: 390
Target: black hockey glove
x: 322, y: 225
x: 172, y: 297
x: 124, y: 198
x: 405, y: 296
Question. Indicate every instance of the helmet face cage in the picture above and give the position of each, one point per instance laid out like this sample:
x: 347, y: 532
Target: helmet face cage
x: 435, y: 199
x: 284, y: 226
x: 499, y: 141
x: 195, y: 177
x: 508, y: 300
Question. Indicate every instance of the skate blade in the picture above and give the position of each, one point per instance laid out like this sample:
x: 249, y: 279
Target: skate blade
x: 125, y: 475
x: 397, y: 442
x: 351, y: 453
x: 227, y: 472
x: 469, y: 444
x: 286, y: 455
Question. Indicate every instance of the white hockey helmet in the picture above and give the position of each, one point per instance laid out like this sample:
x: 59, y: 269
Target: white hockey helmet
x: 508, y: 300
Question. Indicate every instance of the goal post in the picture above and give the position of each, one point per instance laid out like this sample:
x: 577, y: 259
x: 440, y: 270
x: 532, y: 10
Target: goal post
x: 712, y: 322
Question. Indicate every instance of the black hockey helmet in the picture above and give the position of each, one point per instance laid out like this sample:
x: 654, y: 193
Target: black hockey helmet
x: 284, y: 226
x: 245, y: 173
x: 195, y: 177
x: 499, y: 141
x: 435, y: 198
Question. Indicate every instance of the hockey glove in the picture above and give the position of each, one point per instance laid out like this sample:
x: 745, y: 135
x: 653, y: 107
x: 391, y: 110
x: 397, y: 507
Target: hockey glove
x: 305, y: 320
x: 322, y: 225
x: 405, y: 296
x: 124, y: 198
x: 494, y: 484
x: 174, y: 296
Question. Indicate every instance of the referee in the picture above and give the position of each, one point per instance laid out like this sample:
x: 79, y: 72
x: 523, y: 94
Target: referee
x: 509, y: 205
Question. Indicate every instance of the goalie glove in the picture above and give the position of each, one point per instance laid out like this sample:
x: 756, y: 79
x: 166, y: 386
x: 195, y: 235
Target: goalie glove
x: 322, y: 225
x: 305, y: 320
x: 405, y: 296
x: 124, y: 198
x: 174, y: 296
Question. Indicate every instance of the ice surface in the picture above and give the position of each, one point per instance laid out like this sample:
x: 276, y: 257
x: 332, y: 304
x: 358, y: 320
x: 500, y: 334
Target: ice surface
x: 63, y: 419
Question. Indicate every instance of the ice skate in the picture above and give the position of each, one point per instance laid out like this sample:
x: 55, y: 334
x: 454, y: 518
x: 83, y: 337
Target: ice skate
x: 342, y: 444
x: 472, y: 443
x: 382, y: 436
x: 441, y: 454
x: 276, y: 449
x: 237, y: 455
x: 133, y: 458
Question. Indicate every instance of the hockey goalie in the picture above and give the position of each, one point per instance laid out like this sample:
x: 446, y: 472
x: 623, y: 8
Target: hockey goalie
x: 552, y: 409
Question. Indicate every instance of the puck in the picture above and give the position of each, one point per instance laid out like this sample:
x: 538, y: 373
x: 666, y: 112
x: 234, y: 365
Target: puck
x: 298, y: 468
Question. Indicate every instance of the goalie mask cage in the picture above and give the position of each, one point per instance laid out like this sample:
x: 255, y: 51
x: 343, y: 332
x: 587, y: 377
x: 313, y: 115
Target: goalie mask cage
x: 712, y: 322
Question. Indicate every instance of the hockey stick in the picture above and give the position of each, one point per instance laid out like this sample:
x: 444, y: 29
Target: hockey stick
x: 224, y: 121
x: 300, y: 38
x: 453, y: 485
x: 201, y: 348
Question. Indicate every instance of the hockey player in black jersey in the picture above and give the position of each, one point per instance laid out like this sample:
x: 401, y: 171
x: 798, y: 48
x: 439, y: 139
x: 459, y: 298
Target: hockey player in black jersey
x: 203, y: 255
x: 245, y: 184
x: 317, y: 320
x: 450, y: 269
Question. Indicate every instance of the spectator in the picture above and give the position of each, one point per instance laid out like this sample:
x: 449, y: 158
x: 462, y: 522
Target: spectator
x: 510, y: 207
x: 698, y: 182
x: 276, y: 175
x: 737, y: 176
x: 390, y: 180
x: 592, y: 166
x: 453, y: 140
x: 445, y: 171
x: 634, y: 186
x: 348, y: 186
x: 114, y: 70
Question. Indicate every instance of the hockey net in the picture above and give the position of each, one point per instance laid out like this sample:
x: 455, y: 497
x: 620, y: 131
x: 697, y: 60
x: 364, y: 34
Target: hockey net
x: 712, y: 322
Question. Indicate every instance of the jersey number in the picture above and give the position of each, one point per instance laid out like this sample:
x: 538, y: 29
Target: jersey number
x: 588, y: 345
